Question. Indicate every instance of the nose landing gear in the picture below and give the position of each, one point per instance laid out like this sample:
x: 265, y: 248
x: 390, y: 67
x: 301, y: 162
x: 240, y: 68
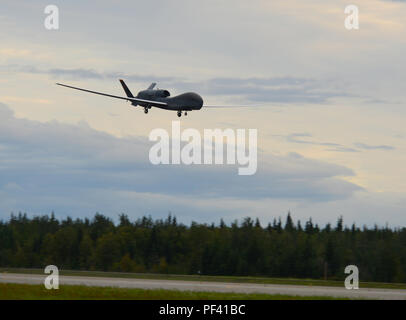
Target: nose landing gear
x: 180, y: 113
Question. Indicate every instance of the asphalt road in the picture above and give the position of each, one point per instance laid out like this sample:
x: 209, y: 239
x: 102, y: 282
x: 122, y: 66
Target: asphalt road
x: 211, y: 286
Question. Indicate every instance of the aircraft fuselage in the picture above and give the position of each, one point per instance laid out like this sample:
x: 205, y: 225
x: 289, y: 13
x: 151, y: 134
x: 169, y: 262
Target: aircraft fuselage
x: 183, y: 102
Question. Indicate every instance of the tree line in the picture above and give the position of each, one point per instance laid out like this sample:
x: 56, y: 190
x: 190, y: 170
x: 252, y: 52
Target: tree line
x: 245, y: 248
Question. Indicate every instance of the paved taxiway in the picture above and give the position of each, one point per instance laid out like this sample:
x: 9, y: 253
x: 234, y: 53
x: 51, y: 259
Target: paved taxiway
x: 293, y: 290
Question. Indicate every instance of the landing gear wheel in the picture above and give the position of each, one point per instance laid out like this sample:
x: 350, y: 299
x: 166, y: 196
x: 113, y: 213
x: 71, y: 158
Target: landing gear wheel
x: 185, y: 113
x: 179, y: 114
x: 145, y: 110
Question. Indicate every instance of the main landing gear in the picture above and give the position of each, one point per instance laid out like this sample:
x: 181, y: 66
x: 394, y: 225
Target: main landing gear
x: 145, y: 110
x: 180, y: 113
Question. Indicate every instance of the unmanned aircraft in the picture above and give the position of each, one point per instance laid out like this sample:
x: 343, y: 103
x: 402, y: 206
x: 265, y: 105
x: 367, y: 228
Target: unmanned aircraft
x: 156, y: 98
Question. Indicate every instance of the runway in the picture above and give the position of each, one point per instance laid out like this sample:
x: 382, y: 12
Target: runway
x: 292, y: 290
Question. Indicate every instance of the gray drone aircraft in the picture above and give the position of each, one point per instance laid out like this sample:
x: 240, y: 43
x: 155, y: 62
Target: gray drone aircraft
x: 156, y: 98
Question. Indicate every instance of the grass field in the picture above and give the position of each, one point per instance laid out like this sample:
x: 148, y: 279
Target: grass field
x: 38, y: 292
x: 262, y: 280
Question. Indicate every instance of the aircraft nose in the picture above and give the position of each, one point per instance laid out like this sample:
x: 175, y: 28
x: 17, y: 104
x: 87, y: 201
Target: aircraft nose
x: 198, y: 99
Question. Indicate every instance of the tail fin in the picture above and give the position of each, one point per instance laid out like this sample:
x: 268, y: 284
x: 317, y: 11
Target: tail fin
x: 127, y: 91
x: 151, y: 86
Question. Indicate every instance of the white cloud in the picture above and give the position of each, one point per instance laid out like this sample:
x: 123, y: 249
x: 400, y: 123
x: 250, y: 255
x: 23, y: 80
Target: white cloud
x: 74, y: 168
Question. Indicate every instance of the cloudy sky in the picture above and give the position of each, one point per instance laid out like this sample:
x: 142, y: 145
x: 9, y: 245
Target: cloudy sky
x: 328, y: 103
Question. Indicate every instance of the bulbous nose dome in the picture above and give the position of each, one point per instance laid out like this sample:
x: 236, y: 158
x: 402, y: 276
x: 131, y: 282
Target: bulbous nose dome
x: 197, y: 99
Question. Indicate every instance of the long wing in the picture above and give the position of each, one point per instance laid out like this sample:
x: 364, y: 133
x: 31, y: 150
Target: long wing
x: 150, y: 102
x: 229, y: 107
